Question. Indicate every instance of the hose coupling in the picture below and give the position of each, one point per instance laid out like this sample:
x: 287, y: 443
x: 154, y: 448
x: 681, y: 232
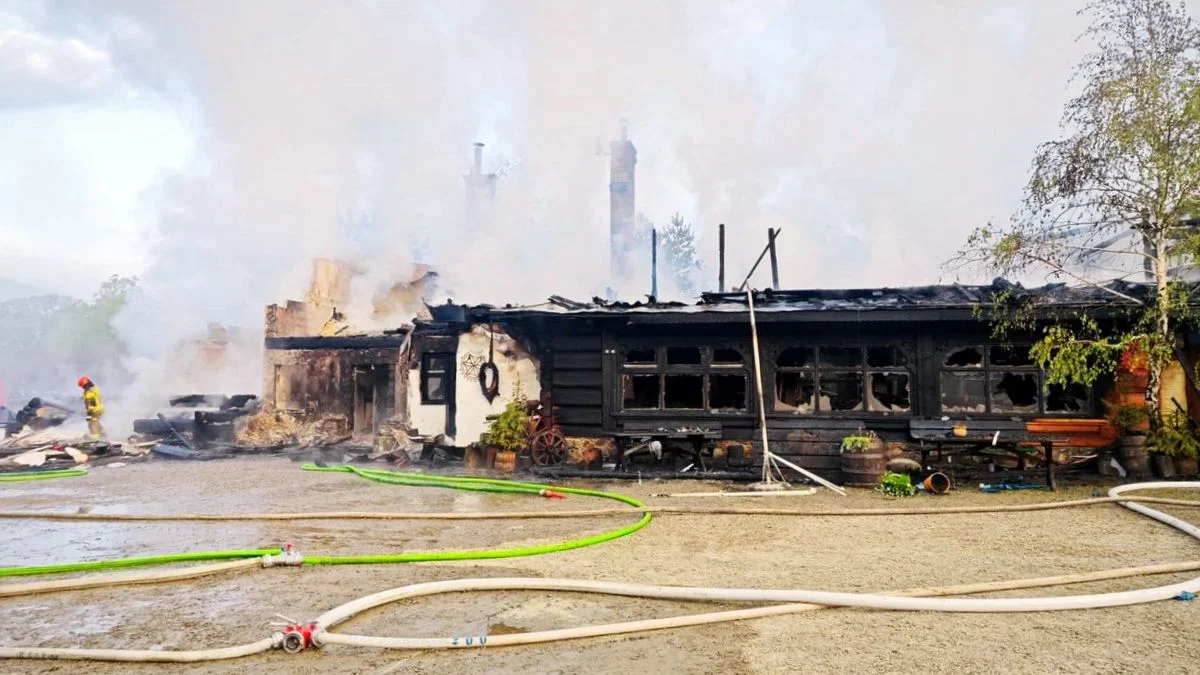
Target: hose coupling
x: 552, y: 494
x: 288, y: 557
x: 295, y: 638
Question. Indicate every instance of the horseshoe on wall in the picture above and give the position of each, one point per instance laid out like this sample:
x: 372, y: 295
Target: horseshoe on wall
x: 489, y: 374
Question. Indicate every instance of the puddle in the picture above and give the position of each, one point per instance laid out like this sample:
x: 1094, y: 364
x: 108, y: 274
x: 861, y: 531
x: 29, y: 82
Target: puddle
x: 505, y: 629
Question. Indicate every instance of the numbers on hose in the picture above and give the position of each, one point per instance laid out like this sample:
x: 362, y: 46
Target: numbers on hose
x: 468, y: 641
x: 482, y: 640
x: 454, y: 642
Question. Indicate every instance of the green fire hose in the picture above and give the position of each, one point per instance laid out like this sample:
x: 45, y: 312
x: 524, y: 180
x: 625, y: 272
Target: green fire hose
x: 391, y: 478
x: 22, y: 476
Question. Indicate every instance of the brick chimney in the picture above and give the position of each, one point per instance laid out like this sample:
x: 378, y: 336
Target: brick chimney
x: 621, y: 202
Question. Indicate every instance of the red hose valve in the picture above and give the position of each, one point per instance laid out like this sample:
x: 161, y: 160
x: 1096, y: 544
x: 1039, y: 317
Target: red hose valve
x: 296, y: 638
x: 289, y: 556
x: 551, y: 494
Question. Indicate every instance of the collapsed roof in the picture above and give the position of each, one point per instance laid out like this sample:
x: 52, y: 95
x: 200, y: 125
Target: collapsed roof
x: 949, y: 301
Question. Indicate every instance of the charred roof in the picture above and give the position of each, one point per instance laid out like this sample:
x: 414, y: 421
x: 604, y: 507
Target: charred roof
x: 936, y: 302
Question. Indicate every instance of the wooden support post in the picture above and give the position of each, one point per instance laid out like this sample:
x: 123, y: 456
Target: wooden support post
x: 721, y: 258
x: 762, y: 408
x: 774, y: 260
x: 1048, y: 446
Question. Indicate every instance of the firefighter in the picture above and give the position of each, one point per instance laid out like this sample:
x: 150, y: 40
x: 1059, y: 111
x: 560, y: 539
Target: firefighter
x: 94, y: 405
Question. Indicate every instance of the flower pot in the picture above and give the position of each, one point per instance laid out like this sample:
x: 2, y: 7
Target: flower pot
x: 1133, y: 455
x: 863, y: 469
x: 1164, y: 467
x: 1186, y: 466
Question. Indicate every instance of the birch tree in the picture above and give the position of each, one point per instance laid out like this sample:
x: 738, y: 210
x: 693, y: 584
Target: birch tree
x: 1113, y: 196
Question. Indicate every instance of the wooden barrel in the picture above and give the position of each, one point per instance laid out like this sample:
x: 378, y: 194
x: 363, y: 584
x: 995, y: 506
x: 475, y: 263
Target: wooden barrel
x: 1133, y: 456
x: 862, y: 469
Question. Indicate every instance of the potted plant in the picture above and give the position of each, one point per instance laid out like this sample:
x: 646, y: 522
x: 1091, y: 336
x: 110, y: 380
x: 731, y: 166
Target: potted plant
x: 1132, y: 422
x: 1174, y: 447
x: 862, y: 459
x: 508, y: 432
x: 896, y: 485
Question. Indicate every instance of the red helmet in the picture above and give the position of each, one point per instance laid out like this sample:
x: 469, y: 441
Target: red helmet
x: 84, y: 382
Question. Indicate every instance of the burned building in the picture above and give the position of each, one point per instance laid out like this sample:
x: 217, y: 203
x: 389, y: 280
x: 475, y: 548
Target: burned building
x: 322, y: 370
x: 833, y: 361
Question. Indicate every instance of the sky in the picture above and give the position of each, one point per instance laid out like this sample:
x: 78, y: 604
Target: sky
x: 213, y: 149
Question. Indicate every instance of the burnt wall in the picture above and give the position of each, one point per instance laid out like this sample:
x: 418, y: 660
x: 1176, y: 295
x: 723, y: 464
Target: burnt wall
x: 321, y: 383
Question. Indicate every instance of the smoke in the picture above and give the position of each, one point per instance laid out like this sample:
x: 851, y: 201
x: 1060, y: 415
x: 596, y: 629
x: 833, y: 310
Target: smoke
x: 875, y: 134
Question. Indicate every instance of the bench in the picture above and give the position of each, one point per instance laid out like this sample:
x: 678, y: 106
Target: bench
x: 980, y: 433
x: 695, y: 434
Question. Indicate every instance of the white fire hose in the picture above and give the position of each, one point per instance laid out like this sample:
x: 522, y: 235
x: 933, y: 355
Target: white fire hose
x: 318, y: 633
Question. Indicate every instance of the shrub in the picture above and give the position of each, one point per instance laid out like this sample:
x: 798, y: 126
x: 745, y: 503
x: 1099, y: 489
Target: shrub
x: 1130, y: 418
x: 896, y: 485
x: 859, y: 442
x: 1175, y: 438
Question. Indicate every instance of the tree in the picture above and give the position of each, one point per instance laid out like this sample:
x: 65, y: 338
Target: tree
x: 678, y: 259
x: 1113, y: 197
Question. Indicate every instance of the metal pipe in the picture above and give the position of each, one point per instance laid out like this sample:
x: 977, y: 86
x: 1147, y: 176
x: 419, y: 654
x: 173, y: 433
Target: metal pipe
x: 721, y: 258
x: 774, y: 260
x: 770, y: 241
x: 654, y: 263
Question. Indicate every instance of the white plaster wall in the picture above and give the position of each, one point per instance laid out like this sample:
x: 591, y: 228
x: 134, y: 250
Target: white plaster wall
x: 514, y: 365
x: 429, y: 420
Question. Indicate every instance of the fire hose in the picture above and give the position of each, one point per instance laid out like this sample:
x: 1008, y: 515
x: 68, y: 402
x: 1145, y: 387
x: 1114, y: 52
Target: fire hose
x: 318, y: 633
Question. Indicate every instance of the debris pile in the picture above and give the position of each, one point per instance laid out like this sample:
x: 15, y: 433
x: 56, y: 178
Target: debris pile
x: 201, y: 420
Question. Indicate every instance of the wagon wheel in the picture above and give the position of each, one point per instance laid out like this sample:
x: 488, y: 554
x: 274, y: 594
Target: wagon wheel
x: 548, y: 447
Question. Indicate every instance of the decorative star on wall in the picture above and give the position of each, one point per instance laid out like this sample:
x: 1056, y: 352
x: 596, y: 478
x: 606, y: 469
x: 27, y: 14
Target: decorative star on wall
x: 471, y: 364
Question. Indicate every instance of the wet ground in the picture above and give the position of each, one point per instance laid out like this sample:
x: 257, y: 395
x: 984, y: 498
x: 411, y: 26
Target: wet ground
x: 855, y: 554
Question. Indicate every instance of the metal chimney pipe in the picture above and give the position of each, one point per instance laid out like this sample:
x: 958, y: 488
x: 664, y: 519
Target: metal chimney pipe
x: 654, y: 264
x: 478, y: 166
x: 721, y: 258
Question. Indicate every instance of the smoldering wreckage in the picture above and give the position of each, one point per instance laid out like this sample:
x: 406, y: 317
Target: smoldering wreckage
x: 648, y: 388
x: 612, y: 388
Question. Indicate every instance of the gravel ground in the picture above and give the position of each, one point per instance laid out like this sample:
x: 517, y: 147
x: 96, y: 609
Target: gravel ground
x: 852, y: 554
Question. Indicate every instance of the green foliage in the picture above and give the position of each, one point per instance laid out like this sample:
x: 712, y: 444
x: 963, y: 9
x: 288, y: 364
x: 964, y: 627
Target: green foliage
x: 510, y: 430
x: 859, y: 443
x: 678, y: 259
x: 896, y: 485
x: 1110, y: 198
x: 1130, y: 418
x: 48, y: 341
x: 1175, y: 438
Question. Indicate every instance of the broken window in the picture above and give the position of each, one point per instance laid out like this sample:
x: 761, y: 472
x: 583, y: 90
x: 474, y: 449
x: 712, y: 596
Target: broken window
x: 640, y: 356
x: 888, y: 392
x: 1008, y: 380
x: 727, y: 356
x: 436, y: 371
x: 1069, y: 399
x: 291, y: 387
x: 683, y: 391
x: 965, y: 357
x: 640, y: 392
x: 1010, y: 356
x: 841, y: 392
x: 684, y: 377
x: 795, y: 357
x: 683, y: 356
x: 795, y: 392
x: 727, y: 392
x: 840, y: 357
x: 1014, y: 392
x: 963, y: 392
x: 886, y: 357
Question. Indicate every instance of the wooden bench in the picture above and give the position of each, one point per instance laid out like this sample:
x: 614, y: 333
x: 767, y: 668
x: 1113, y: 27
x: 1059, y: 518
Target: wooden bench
x: 981, y: 433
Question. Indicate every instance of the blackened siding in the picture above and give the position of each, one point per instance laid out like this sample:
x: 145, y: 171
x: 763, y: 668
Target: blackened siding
x: 577, y: 384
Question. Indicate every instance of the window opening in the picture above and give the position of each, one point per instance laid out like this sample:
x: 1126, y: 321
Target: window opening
x: 436, y: 369
x: 727, y: 392
x: 683, y: 391
x: 683, y: 356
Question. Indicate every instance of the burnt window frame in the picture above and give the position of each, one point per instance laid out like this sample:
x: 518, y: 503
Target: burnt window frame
x: 706, y: 368
x: 986, y: 368
x: 427, y: 370
x: 864, y: 370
